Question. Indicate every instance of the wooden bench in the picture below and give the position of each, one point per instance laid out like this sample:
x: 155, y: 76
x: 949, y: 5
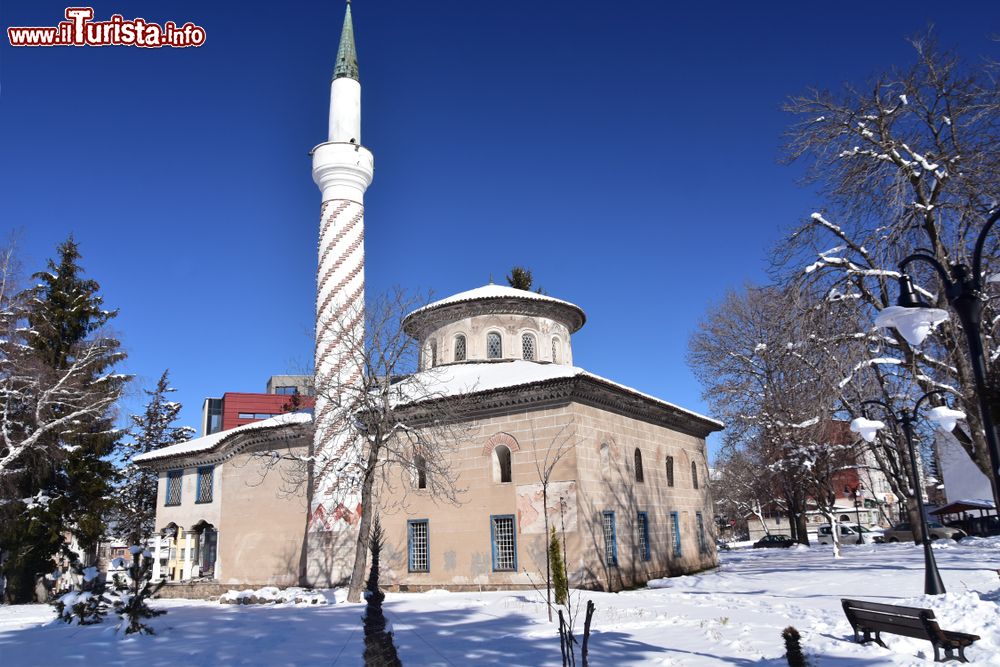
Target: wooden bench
x: 869, y: 617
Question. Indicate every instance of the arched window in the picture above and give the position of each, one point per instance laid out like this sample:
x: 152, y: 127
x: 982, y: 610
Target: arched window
x: 555, y: 350
x: 638, y: 466
x: 605, y: 459
x: 494, y: 345
x: 420, y: 466
x: 434, y: 353
x: 527, y: 347
x: 694, y: 475
x: 501, y: 463
x: 460, y: 347
x: 670, y: 471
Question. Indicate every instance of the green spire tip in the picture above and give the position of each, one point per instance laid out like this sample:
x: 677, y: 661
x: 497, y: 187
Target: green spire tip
x: 347, y: 53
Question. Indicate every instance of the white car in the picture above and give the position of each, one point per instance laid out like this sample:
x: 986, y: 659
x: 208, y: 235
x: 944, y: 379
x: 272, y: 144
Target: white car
x: 849, y: 534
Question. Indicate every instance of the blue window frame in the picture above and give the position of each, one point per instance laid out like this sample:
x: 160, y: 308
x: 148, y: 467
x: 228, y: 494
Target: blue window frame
x: 610, y: 538
x: 418, y: 545
x: 174, y: 479
x: 206, y: 480
x: 642, y: 535
x: 675, y: 528
x: 503, y: 537
x: 702, y: 542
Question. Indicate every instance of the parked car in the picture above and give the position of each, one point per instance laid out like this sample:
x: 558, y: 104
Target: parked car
x: 902, y: 532
x: 849, y: 533
x: 774, y: 542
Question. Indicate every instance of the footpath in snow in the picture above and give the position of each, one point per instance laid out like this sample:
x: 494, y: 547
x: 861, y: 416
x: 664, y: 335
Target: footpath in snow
x: 733, y: 615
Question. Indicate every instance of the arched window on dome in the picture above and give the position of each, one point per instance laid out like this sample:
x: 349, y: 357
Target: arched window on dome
x: 494, y: 345
x: 694, y: 474
x: 638, y: 466
x: 460, y: 347
x: 501, y: 464
x: 527, y: 347
x: 555, y: 350
x: 434, y: 353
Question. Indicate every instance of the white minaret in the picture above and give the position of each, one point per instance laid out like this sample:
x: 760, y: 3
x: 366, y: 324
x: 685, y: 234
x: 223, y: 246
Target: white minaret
x: 343, y: 170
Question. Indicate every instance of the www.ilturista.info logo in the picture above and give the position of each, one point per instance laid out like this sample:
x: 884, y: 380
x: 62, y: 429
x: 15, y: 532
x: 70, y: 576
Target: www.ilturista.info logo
x: 79, y: 29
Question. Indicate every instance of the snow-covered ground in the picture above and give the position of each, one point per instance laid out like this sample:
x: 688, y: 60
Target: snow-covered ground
x: 733, y: 615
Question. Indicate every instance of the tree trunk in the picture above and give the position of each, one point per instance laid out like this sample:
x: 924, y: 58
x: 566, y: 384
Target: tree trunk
x: 802, y: 527
x: 364, y: 528
x: 548, y: 538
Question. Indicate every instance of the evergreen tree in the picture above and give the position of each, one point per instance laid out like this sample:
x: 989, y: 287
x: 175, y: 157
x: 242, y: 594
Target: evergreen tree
x: 134, y: 590
x: 135, y: 507
x: 59, y: 351
x: 560, y: 582
x: 520, y: 278
x: 379, y: 648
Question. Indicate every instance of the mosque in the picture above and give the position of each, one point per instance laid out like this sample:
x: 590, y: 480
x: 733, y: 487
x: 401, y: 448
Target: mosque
x: 627, y: 494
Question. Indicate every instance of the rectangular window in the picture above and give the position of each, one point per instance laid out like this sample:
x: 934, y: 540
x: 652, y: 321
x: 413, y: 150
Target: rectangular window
x: 206, y: 477
x: 675, y: 529
x: 214, y: 416
x: 504, y: 543
x: 670, y: 471
x: 246, y: 415
x: 417, y: 545
x: 610, y: 539
x: 702, y: 542
x: 642, y: 536
x: 286, y: 391
x: 174, y: 479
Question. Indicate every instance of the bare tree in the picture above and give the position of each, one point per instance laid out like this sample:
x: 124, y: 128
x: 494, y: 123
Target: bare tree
x: 911, y: 160
x: 392, y: 429
x: 546, y: 460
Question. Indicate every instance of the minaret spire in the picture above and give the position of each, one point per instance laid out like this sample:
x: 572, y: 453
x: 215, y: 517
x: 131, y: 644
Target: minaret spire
x: 347, y: 53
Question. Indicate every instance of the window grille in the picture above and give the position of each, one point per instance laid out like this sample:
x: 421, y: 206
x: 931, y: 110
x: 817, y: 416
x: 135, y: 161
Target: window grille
x: 642, y: 536
x: 494, y: 348
x: 670, y: 471
x: 502, y: 453
x: 419, y: 561
x: 174, y: 479
x: 504, y: 544
x: 694, y: 475
x: 638, y: 466
x: 206, y: 476
x: 527, y: 347
x: 460, y: 348
x: 675, y: 528
x: 610, y: 539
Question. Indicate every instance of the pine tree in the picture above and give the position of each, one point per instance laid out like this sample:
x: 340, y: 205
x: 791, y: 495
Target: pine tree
x: 61, y: 348
x: 379, y: 648
x: 520, y: 278
x: 135, y: 508
x: 135, y: 589
x: 560, y: 582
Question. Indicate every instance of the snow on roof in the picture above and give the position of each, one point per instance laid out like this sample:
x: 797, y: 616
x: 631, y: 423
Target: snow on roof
x: 210, y: 442
x: 454, y: 379
x: 494, y: 292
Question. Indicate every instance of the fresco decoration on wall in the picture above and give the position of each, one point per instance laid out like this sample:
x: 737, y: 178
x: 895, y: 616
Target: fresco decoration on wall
x: 529, y: 507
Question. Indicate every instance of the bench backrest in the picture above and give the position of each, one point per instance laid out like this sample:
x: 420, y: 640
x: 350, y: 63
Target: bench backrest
x: 906, y: 621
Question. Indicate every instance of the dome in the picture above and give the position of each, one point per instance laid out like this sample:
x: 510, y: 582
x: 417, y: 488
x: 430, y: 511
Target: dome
x: 495, y: 323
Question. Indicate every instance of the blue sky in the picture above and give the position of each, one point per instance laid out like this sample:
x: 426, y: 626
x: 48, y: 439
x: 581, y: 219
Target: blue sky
x: 626, y: 152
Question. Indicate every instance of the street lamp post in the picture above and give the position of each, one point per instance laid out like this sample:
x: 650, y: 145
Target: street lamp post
x: 914, y: 319
x: 856, y: 494
x: 945, y: 418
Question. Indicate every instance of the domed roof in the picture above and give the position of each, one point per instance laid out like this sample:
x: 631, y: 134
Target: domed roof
x: 497, y: 298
